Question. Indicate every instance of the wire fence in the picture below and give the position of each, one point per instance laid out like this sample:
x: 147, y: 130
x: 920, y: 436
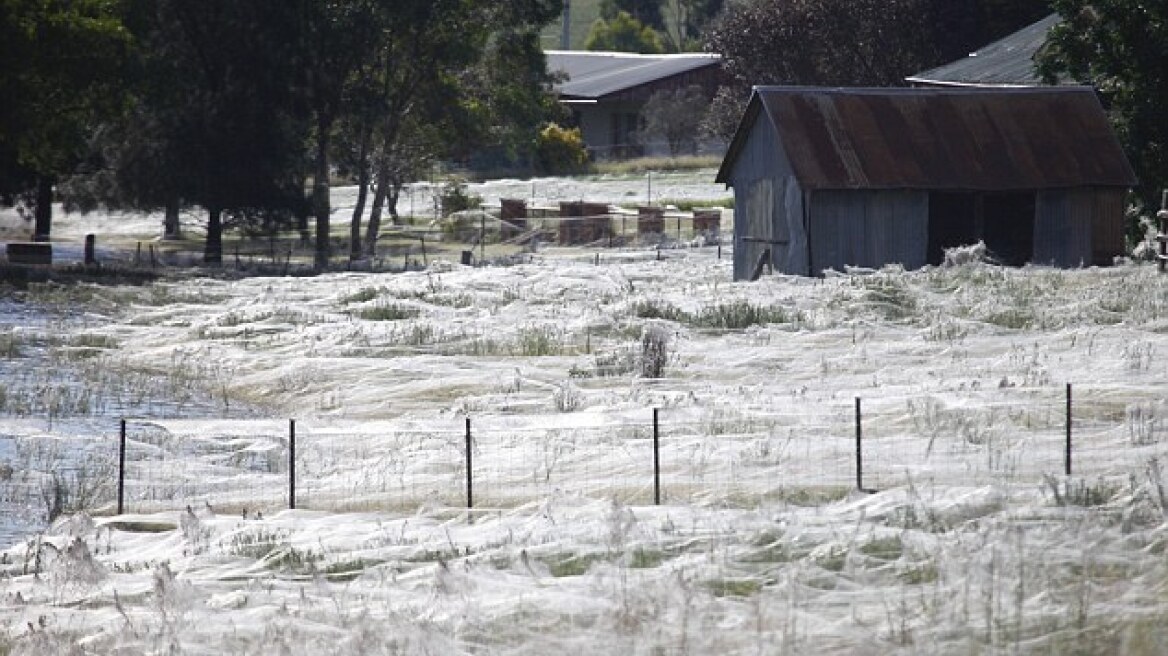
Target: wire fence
x: 735, y: 456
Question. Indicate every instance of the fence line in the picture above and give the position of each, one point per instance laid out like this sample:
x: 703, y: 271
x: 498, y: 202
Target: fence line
x: 730, y: 455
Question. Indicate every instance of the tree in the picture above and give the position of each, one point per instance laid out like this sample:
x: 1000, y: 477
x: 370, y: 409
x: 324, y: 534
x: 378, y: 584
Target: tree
x: 1120, y: 47
x: 337, y: 38
x: 646, y: 12
x: 823, y: 42
x: 216, y: 120
x: 623, y: 33
x: 690, y: 19
x: 59, y: 64
x: 439, y: 97
x: 674, y: 116
x: 513, y: 93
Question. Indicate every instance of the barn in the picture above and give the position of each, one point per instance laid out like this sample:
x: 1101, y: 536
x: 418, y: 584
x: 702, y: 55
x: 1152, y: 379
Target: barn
x: 829, y: 178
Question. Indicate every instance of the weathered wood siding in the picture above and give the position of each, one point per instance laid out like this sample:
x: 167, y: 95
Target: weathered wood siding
x: 768, y: 205
x: 1079, y: 227
x: 868, y: 229
x: 1062, y: 227
x: 1107, y: 226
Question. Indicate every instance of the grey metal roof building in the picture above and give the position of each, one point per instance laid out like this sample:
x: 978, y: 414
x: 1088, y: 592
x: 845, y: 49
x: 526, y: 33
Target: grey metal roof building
x: 829, y: 178
x: 607, y: 90
x: 596, y: 75
x: 1008, y: 62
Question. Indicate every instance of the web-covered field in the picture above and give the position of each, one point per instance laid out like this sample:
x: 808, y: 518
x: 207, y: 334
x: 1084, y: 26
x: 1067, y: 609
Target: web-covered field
x: 974, y: 542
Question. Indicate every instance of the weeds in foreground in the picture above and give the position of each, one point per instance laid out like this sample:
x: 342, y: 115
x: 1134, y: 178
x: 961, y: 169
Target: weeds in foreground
x: 735, y: 315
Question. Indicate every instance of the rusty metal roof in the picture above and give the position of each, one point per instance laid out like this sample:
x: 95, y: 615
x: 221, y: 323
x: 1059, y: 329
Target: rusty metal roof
x: 943, y: 138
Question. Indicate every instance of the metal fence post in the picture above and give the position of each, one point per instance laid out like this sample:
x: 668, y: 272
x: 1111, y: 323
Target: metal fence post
x: 292, y: 464
x: 1068, y: 448
x: 656, y: 460
x: 122, y: 469
x: 859, y: 449
x: 469, y: 476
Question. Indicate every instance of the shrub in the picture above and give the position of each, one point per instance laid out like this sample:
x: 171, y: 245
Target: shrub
x: 560, y: 151
x: 455, y: 198
x: 654, y: 351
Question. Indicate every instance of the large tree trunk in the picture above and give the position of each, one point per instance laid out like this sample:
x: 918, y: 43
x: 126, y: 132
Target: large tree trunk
x: 43, y: 211
x: 372, y: 232
x: 213, y: 250
x: 320, y: 195
x: 362, y: 192
x: 171, y: 228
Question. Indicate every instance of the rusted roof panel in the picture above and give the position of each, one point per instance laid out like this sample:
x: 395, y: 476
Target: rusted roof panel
x: 947, y: 138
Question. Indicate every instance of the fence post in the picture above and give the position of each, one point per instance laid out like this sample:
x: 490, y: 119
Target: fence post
x: 1068, y: 449
x: 292, y: 464
x: 122, y: 469
x: 859, y: 449
x: 656, y: 461
x: 1162, y: 235
x: 469, y: 476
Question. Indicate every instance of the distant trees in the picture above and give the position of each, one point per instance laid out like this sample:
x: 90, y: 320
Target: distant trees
x: 623, y: 33
x: 848, y: 42
x: 651, y: 26
x: 823, y: 42
x: 232, y: 105
x: 1121, y: 47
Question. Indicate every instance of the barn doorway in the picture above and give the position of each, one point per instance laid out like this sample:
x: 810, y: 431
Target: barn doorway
x: 1004, y: 221
x: 952, y: 222
x: 1008, y: 226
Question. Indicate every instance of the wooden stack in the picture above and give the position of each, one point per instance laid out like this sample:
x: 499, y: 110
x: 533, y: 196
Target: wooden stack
x: 584, y: 223
x: 707, y: 222
x: 513, y: 217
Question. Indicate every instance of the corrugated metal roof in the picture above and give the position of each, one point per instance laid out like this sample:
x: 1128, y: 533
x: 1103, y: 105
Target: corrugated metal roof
x: 940, y: 138
x: 1006, y: 62
x: 593, y: 75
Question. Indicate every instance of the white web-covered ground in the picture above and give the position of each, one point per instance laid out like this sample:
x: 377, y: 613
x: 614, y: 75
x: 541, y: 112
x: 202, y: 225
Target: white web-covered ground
x: 974, y: 541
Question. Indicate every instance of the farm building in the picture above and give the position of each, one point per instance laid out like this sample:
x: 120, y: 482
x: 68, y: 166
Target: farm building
x: 1007, y: 62
x: 830, y: 178
x: 607, y: 90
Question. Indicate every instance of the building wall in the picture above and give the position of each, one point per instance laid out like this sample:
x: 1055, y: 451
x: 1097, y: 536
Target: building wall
x: 868, y: 228
x: 596, y: 123
x: 1079, y: 227
x: 768, y: 204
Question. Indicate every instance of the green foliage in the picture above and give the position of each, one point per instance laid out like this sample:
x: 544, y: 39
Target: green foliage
x: 824, y: 42
x: 623, y: 33
x: 59, y: 76
x: 1120, y: 47
x: 560, y: 151
x: 539, y: 341
x: 387, y: 312
x: 647, y: 12
x: 738, y: 315
x: 454, y: 197
x: 734, y: 315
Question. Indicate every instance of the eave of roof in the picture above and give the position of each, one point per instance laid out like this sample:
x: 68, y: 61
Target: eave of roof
x: 595, y: 75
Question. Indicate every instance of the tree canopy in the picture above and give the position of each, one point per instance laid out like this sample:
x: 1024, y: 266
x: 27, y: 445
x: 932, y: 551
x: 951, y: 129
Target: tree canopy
x: 623, y: 33
x: 59, y: 75
x: 1120, y: 47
